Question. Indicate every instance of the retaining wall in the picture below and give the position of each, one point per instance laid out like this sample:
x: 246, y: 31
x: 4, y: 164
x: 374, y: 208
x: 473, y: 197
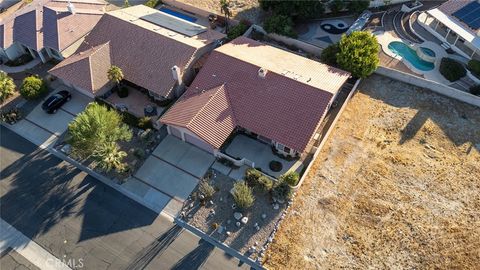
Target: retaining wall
x: 430, y: 85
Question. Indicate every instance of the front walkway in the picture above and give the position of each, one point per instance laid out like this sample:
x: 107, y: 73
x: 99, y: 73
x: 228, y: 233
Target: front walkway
x: 18, y: 69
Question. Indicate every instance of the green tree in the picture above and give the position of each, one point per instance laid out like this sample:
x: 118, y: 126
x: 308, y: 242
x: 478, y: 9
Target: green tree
x: 243, y: 195
x: 7, y: 86
x: 294, y: 9
x: 237, y: 31
x: 126, y: 4
x: 291, y: 178
x: 109, y: 156
x: 33, y: 87
x: 225, y: 10
x: 358, y: 6
x: 336, y: 6
x: 94, y: 127
x: 115, y: 75
x: 280, y: 24
x: 329, y: 55
x: 358, y: 53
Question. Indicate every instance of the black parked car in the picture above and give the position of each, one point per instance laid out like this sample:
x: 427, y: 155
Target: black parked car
x: 54, y: 102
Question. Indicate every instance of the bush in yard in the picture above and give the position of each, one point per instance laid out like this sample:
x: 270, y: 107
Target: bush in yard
x: 242, y: 194
x: 264, y: 183
x: 282, y: 190
x: 475, y: 90
x: 280, y: 24
x: 139, y: 153
x: 358, y: 5
x: 109, y: 156
x: 302, y: 9
x: 206, y: 189
x: 145, y: 123
x: 252, y: 175
x: 337, y: 6
x: 451, y: 69
x: 291, y: 178
x: 329, y: 55
x: 7, y: 86
x: 237, y: 30
x: 474, y: 67
x: 33, y: 87
x: 152, y: 3
x: 358, y: 53
x: 94, y: 127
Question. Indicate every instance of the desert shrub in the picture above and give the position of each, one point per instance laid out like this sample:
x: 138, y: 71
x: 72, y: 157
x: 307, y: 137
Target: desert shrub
x: 237, y: 30
x: 337, y: 5
x: 122, y: 92
x: 291, y: 178
x: 475, y: 90
x: 302, y: 9
x: 33, y: 87
x: 451, y: 69
x: 7, y: 86
x: 243, y: 195
x: 109, y: 156
x: 358, y: 5
x: 280, y: 24
x: 10, y: 116
x: 264, y: 183
x: 252, y: 175
x: 358, y: 53
x: 474, y: 67
x: 329, y: 55
x: 139, y: 153
x: 152, y: 3
x: 145, y: 123
x: 282, y: 190
x: 206, y: 189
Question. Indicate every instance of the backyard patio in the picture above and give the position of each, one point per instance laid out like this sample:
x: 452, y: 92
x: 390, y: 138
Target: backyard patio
x: 243, y: 146
x: 137, y: 103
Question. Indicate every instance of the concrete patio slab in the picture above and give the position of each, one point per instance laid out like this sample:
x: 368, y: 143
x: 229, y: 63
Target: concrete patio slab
x: 55, y: 123
x: 184, y: 155
x: 258, y: 152
x: 167, y: 178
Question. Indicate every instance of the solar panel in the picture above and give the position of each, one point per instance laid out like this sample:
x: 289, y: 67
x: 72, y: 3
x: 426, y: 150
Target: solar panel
x: 175, y: 24
x: 476, y: 24
x: 469, y: 14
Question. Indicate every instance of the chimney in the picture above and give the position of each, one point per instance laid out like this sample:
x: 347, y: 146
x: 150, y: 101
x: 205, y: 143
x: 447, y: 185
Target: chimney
x: 71, y: 7
x: 176, y: 74
x: 262, y: 72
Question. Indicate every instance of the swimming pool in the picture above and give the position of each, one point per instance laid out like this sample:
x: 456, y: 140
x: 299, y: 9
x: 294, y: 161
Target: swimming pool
x: 427, y: 51
x: 178, y: 14
x: 410, y: 55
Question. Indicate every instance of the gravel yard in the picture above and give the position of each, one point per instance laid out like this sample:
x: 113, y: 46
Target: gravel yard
x: 241, y: 237
x: 397, y: 186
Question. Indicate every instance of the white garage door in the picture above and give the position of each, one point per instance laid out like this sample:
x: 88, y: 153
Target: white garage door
x: 198, y: 142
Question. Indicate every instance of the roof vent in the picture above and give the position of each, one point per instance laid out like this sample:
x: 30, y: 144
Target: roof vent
x: 71, y: 7
x: 262, y: 72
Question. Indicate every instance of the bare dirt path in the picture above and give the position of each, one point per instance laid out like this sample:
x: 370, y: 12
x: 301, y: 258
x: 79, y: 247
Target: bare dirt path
x: 396, y: 187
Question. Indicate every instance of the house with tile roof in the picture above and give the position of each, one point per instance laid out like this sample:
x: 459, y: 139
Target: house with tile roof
x: 277, y: 96
x: 48, y: 28
x: 155, y: 50
x: 457, y: 23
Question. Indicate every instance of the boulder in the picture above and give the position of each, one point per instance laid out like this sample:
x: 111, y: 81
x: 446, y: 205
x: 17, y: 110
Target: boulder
x: 244, y: 220
x: 238, y: 224
x: 237, y: 215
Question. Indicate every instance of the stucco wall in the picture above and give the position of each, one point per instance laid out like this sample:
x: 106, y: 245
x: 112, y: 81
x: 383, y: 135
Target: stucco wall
x: 431, y: 85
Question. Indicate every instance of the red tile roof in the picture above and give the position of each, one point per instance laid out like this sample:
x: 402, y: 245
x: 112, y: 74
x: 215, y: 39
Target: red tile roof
x: 228, y: 92
x: 145, y: 52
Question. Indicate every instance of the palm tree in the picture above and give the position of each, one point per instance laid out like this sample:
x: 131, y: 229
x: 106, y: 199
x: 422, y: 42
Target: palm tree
x: 225, y: 9
x: 7, y: 86
x: 109, y: 156
x: 115, y: 75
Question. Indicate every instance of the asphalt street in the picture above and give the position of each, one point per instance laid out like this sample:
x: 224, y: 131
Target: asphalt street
x: 77, y: 218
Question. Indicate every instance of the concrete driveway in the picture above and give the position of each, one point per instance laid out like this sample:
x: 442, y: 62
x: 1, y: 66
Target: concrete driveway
x: 184, y: 156
x: 57, y: 123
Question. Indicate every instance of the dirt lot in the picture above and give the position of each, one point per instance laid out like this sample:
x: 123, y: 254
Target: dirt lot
x: 397, y: 186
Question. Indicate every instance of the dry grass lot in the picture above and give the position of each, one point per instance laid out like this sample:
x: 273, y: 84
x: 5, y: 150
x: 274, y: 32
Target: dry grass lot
x: 397, y: 186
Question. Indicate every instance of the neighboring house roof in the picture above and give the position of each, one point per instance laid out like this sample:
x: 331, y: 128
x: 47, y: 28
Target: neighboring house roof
x: 80, y: 67
x: 286, y: 105
x: 48, y: 23
x: 144, y: 51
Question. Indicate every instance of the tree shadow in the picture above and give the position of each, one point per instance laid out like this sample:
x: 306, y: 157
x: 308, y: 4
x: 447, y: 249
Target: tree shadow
x: 41, y: 194
x: 195, y: 258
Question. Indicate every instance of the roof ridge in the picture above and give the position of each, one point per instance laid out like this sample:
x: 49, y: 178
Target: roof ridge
x: 222, y: 86
x: 99, y: 47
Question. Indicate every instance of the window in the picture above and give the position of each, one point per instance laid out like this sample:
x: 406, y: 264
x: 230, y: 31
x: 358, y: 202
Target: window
x: 286, y: 149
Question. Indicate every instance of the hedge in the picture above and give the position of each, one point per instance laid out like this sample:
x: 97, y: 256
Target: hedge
x: 280, y: 24
x: 237, y: 30
x: 451, y: 69
x: 474, y: 67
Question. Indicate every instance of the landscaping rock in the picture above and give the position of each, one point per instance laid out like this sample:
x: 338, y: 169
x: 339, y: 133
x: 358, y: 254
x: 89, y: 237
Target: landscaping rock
x: 67, y: 149
x: 276, y: 206
x: 244, y: 220
x: 228, y: 233
x: 238, y: 224
x: 264, y: 216
x: 229, y: 221
x: 237, y: 215
x: 252, y: 249
x: 201, y: 197
x: 220, y: 229
x: 210, y: 202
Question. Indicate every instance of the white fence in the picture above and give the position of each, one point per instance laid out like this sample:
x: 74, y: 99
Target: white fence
x: 430, y: 85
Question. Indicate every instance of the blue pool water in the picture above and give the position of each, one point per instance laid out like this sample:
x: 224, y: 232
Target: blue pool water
x: 410, y: 55
x: 427, y: 51
x: 178, y: 14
